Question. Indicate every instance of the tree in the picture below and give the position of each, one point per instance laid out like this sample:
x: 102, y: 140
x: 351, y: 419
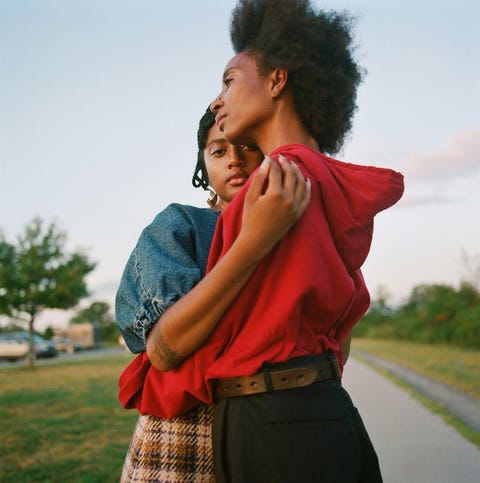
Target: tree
x: 95, y: 313
x: 37, y: 273
x: 378, y: 317
x: 48, y: 333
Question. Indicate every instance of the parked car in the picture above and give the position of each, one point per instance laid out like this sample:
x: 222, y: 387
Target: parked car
x: 12, y: 348
x: 66, y: 345
x: 41, y: 347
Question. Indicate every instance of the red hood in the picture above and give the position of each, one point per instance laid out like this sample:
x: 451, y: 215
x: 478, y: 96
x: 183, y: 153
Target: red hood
x: 351, y: 195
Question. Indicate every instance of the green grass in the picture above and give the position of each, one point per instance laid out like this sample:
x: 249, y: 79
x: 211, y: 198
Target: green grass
x: 460, y: 368
x: 63, y: 422
x: 457, y: 367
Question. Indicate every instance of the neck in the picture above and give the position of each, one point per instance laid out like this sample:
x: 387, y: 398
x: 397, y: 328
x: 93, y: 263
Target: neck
x: 283, y: 127
x: 285, y: 133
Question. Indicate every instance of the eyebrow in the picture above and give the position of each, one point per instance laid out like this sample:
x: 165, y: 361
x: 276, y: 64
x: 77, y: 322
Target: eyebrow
x: 228, y: 71
x: 219, y: 140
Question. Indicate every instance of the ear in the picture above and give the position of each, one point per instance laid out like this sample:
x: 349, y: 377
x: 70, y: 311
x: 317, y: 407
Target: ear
x: 278, y: 82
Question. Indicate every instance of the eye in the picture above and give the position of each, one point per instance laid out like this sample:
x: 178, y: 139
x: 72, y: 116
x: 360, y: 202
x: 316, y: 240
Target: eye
x: 249, y: 147
x: 227, y: 81
x: 218, y: 152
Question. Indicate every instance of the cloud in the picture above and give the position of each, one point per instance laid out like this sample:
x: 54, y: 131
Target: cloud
x: 459, y: 158
x: 105, y: 290
x: 415, y: 201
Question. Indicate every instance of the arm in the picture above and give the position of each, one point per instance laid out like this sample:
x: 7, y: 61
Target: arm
x: 268, y: 214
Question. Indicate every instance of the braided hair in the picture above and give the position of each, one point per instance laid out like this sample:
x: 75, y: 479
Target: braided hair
x: 200, y: 175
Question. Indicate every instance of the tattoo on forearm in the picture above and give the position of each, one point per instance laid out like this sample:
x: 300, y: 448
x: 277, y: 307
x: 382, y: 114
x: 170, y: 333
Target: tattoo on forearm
x: 166, y: 353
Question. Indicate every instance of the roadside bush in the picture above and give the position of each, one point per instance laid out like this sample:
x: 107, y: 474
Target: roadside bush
x: 466, y: 332
x: 432, y: 314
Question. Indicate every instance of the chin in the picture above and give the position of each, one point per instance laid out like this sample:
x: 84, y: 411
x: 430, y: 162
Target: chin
x: 233, y: 136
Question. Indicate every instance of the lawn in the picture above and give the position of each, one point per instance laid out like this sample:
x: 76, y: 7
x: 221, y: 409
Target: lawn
x: 457, y: 367
x: 63, y: 422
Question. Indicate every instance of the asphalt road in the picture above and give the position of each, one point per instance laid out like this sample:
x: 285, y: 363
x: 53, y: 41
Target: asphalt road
x: 413, y: 445
x: 84, y: 354
x: 463, y: 406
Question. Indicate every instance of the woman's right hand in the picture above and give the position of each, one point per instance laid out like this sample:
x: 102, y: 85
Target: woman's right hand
x: 277, y: 197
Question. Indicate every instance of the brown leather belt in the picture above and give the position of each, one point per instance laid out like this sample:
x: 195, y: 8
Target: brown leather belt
x: 277, y: 380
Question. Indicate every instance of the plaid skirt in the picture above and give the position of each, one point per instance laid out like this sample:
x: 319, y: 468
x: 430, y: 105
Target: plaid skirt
x: 171, y: 450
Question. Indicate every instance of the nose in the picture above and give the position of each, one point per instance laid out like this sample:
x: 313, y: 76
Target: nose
x: 216, y: 104
x: 236, y: 157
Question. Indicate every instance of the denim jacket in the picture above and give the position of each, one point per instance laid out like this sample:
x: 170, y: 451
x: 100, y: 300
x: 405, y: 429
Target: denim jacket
x: 169, y: 259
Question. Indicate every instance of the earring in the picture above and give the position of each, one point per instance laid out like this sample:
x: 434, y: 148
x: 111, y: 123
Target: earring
x: 213, y: 199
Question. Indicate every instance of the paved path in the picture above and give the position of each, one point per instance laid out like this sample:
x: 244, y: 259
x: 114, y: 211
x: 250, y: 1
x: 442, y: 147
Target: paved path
x: 461, y: 405
x: 413, y: 445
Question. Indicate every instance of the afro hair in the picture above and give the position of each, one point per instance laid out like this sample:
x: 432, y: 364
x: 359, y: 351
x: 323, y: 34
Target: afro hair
x: 315, y: 48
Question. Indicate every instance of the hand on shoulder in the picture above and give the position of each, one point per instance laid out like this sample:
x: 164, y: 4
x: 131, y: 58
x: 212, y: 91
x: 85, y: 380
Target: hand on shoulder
x: 276, y: 199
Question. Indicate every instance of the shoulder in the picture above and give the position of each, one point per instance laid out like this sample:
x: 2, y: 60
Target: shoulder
x: 180, y: 226
x: 184, y: 215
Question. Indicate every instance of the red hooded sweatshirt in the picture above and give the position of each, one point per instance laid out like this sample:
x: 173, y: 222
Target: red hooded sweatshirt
x: 302, y: 299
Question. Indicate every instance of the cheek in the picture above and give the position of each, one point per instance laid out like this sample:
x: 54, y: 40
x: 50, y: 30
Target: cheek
x: 237, y: 98
x: 254, y: 157
x: 214, y: 182
x: 211, y: 172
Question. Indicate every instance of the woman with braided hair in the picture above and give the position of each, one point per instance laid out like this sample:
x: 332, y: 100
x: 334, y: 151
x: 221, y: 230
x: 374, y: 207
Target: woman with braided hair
x: 160, y: 285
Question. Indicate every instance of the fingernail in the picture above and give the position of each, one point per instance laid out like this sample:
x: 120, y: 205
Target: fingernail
x: 265, y: 163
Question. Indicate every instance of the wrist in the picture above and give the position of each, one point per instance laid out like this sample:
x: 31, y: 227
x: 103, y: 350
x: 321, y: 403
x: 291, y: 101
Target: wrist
x: 249, y: 249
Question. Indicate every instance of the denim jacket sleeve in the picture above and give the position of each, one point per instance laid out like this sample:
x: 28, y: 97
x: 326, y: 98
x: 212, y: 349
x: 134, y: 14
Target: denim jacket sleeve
x: 169, y: 259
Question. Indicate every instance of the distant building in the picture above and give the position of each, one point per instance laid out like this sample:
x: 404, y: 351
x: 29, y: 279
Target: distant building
x: 87, y: 334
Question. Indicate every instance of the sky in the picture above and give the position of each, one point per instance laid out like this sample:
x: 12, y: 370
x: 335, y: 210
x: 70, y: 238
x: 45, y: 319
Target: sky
x: 100, y: 102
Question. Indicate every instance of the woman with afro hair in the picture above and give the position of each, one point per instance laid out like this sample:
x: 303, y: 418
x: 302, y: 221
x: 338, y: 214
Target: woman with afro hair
x: 281, y: 413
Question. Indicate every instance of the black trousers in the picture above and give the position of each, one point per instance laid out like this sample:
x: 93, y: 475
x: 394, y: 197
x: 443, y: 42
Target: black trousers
x: 310, y: 434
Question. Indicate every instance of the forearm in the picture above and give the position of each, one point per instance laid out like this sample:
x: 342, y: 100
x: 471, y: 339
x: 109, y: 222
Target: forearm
x: 268, y: 213
x: 188, y: 322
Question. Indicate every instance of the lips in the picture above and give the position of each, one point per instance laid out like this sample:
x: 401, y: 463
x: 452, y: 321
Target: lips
x: 219, y: 118
x: 238, y: 178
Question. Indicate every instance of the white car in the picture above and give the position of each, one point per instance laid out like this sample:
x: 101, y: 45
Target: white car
x: 11, y: 348
x: 41, y: 347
